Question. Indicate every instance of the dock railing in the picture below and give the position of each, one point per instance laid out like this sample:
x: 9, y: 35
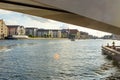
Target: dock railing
x: 112, y: 52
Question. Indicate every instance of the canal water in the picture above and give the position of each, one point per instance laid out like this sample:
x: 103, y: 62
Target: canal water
x: 54, y: 59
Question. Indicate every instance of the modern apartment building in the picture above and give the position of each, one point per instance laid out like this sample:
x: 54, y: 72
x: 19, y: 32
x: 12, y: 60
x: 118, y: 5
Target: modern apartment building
x: 74, y: 33
x: 49, y: 33
x: 44, y: 33
x: 3, y: 30
x: 115, y: 37
x: 56, y: 33
x: 84, y: 35
x: 70, y: 33
x: 65, y: 33
x: 31, y: 31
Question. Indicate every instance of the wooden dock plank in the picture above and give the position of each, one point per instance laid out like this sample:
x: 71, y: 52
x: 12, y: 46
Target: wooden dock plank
x: 113, y: 53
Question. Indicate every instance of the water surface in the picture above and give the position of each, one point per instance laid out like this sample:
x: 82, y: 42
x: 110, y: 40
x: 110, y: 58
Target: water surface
x: 48, y: 59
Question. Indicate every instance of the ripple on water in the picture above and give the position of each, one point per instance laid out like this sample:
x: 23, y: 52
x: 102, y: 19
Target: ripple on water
x: 18, y: 77
x: 4, y: 49
x: 3, y: 79
x: 76, y: 62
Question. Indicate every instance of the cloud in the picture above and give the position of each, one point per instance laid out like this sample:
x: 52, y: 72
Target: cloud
x: 9, y: 22
x: 43, y: 20
x: 14, y: 18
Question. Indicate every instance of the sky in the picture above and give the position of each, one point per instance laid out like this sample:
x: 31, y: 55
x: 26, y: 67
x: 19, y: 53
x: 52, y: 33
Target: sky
x: 15, y: 18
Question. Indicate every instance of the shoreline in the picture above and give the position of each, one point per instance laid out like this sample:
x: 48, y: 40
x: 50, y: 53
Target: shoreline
x: 46, y: 38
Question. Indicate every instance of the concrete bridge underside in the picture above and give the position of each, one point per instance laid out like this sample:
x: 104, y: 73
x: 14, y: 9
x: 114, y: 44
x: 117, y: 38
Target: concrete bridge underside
x: 101, y: 15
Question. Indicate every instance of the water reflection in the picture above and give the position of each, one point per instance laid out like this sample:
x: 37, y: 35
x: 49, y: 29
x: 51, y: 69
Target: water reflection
x: 8, y: 47
x: 4, y: 48
x: 56, y: 56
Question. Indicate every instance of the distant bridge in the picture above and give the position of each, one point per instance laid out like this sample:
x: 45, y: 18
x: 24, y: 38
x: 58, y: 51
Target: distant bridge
x: 101, y: 15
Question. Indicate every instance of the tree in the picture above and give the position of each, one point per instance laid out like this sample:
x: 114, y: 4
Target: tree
x: 30, y: 35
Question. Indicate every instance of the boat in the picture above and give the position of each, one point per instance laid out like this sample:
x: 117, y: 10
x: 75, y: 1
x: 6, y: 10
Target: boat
x: 15, y: 37
x: 20, y: 36
x: 10, y: 37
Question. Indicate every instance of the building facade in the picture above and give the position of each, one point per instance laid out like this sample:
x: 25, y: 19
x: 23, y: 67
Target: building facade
x: 65, y: 33
x: 31, y: 31
x: 49, y: 33
x: 56, y: 33
x: 74, y: 33
x: 70, y: 33
x: 115, y: 37
x: 84, y: 35
x: 3, y: 30
x: 43, y: 33
x: 16, y: 30
x: 107, y: 37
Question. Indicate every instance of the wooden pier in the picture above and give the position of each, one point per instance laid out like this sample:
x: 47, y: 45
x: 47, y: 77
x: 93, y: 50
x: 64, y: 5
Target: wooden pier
x: 112, y: 52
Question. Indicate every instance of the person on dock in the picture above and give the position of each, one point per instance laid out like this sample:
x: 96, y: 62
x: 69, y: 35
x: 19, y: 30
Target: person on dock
x: 113, y: 46
x: 108, y: 45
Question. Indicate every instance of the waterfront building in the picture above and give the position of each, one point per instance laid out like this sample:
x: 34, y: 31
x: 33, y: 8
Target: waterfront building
x: 74, y: 33
x: 70, y: 33
x: 115, y: 37
x: 16, y: 30
x: 84, y: 35
x: 107, y: 37
x: 56, y: 33
x: 93, y: 37
x: 31, y: 31
x: 43, y: 32
x: 49, y: 33
x: 3, y: 30
x: 65, y: 33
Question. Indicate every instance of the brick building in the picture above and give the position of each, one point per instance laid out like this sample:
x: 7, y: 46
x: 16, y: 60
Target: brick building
x: 3, y: 30
x: 16, y: 30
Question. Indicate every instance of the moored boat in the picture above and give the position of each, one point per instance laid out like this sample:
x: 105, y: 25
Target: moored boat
x: 20, y: 36
x: 10, y: 37
x: 15, y: 37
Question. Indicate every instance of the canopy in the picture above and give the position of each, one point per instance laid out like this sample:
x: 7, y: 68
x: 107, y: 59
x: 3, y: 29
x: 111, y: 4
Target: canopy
x: 101, y: 15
